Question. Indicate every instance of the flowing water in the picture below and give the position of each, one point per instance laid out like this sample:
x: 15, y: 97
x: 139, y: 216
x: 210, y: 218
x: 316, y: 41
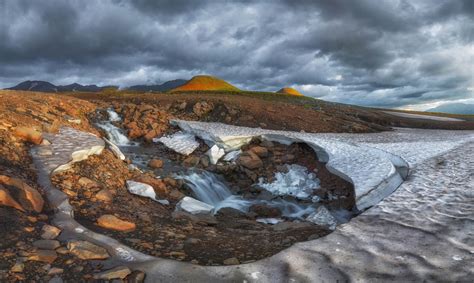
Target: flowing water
x: 114, y: 133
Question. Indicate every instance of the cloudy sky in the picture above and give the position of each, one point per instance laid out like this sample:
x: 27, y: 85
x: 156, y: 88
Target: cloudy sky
x: 397, y: 53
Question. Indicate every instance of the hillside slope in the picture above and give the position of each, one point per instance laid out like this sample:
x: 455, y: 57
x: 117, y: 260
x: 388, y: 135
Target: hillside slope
x: 290, y: 91
x: 206, y: 83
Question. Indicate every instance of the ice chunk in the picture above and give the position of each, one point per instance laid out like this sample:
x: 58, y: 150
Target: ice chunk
x: 215, y: 153
x: 115, y: 149
x: 183, y: 143
x: 323, y: 217
x: 271, y: 221
x: 193, y: 206
x: 144, y: 190
x: 296, y: 182
x: 233, y: 155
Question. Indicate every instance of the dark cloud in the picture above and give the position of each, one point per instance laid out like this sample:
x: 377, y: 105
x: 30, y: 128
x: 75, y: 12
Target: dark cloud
x: 387, y: 53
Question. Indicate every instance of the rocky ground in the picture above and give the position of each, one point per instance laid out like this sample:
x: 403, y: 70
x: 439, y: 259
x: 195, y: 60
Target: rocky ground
x: 31, y: 248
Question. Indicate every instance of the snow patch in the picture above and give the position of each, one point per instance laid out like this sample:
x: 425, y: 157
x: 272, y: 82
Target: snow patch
x: 183, y: 143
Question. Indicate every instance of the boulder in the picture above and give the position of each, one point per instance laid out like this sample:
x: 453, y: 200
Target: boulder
x: 155, y: 163
x: 47, y: 256
x: 49, y: 232
x: 28, y: 134
x: 250, y: 160
x: 260, y: 151
x: 119, y: 272
x: 29, y: 197
x: 104, y: 195
x: 86, y: 250
x: 7, y: 200
x: 112, y: 222
x: 194, y: 206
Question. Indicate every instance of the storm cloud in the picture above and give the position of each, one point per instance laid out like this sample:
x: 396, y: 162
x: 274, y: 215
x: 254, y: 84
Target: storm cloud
x: 375, y: 53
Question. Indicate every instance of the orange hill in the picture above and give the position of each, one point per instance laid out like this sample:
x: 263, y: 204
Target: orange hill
x: 289, y: 90
x: 206, y: 83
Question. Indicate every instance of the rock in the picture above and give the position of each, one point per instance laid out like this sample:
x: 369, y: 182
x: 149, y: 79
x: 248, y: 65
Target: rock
x: 28, y: 134
x: 191, y: 161
x: 55, y: 271
x: 250, y: 160
x: 230, y: 212
x: 231, y: 261
x: 49, y: 232
x: 155, y: 163
x: 193, y: 206
x: 202, y: 108
x: 46, y: 244
x: 290, y: 225
x: 260, y: 151
x: 215, y: 153
x: 112, y: 222
x: 265, y: 211
x: 87, y: 183
x: 137, y: 276
x: 104, y: 195
x: 158, y: 185
x: 119, y: 272
x: 7, y: 200
x: 18, y: 267
x: 43, y: 256
x: 323, y: 217
x: 86, y: 250
x: 29, y: 197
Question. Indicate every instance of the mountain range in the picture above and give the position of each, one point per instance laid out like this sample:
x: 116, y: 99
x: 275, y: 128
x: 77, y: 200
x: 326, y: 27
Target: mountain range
x: 454, y: 108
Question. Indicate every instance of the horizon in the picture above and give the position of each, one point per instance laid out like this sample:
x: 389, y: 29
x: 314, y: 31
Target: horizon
x: 388, y: 54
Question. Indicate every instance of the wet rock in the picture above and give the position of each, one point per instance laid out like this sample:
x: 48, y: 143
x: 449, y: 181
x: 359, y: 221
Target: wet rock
x: 265, y: 211
x: 28, y: 196
x: 231, y: 261
x: 7, y: 200
x: 86, y: 250
x: 119, y: 272
x: 43, y: 256
x: 112, y: 222
x: 193, y: 206
x: 155, y: 163
x: 46, y: 244
x: 28, y: 134
x: 250, y: 160
x: 260, y: 151
x: 137, y: 276
x: 104, y: 195
x: 49, y: 232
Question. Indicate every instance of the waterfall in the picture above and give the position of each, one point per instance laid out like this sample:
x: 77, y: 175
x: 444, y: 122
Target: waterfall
x: 113, y: 132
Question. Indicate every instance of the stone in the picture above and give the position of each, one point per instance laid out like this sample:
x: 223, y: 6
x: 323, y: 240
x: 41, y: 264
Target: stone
x: 155, y: 163
x: 112, y: 222
x: 46, y: 244
x: 104, y: 195
x: 260, y: 151
x: 7, y: 200
x: 28, y: 195
x: 49, y: 232
x: 119, y: 272
x: 18, y: 267
x: 86, y: 250
x: 231, y: 261
x: 137, y: 276
x: 28, y: 134
x: 87, y: 183
x: 191, y: 161
x: 193, y: 206
x: 55, y: 271
x: 250, y: 160
x: 43, y: 256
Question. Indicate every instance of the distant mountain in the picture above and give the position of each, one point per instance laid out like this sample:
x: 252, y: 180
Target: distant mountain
x: 454, y: 108
x: 290, y: 91
x: 206, y: 83
x: 162, y: 87
x: 43, y: 86
x: 35, y: 86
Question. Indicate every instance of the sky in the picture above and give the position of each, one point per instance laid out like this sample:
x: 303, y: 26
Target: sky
x: 392, y: 54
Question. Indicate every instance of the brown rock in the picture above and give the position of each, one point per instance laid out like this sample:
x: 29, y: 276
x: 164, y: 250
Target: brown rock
x: 18, y: 267
x: 155, y: 163
x: 29, y: 196
x: 119, y: 272
x: 104, y: 195
x: 28, y: 134
x: 43, y: 256
x: 55, y: 271
x: 112, y: 222
x: 191, y: 161
x: 7, y: 200
x: 87, y: 183
x: 86, y: 250
x: 250, y: 160
x: 46, y: 244
x: 260, y: 151
x: 231, y: 261
x: 49, y: 232
x: 150, y: 135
